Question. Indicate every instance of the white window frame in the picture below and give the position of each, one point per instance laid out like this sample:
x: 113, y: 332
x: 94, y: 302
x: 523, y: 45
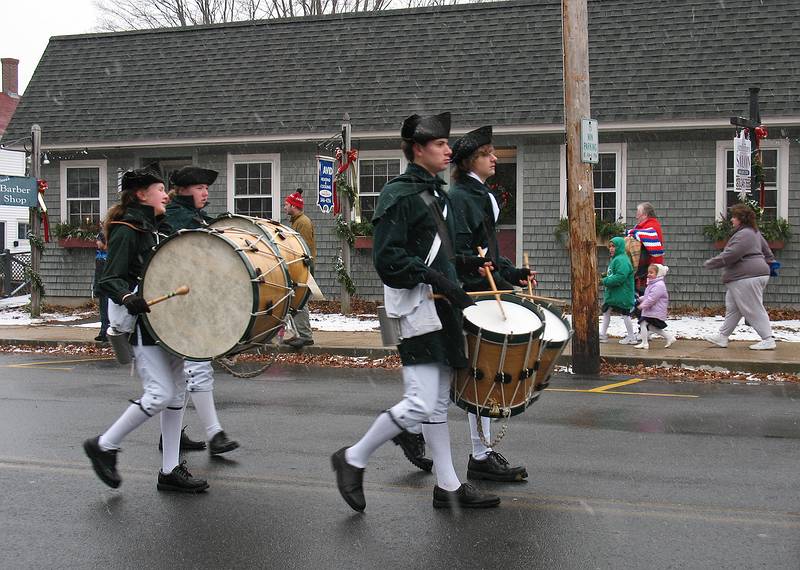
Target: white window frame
x: 275, y: 159
x: 381, y: 155
x: 621, y: 152
x: 782, y: 181
x: 102, y: 165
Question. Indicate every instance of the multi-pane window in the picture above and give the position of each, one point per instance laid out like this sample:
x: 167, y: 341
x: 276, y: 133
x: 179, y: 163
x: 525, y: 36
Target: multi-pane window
x: 83, y: 196
x: 769, y: 160
x: 22, y: 230
x: 252, y: 189
x: 604, y: 175
x: 373, y: 174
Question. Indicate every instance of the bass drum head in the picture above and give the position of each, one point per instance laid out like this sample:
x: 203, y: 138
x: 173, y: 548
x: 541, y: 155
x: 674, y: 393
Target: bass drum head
x: 217, y: 312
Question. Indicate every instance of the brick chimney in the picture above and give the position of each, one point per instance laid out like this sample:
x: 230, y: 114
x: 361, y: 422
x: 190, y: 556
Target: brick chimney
x: 10, y: 76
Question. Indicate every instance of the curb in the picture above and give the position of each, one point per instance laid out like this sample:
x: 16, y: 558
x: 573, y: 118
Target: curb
x: 564, y: 360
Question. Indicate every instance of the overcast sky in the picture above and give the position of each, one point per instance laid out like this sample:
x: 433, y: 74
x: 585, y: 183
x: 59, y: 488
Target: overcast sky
x: 27, y: 25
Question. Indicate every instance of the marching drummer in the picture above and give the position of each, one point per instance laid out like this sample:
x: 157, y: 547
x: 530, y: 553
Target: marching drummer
x: 186, y: 211
x: 409, y: 254
x: 131, y: 228
x: 475, y: 212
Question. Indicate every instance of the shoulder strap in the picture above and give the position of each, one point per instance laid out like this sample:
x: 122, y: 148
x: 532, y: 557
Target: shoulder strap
x: 138, y: 229
x: 438, y: 218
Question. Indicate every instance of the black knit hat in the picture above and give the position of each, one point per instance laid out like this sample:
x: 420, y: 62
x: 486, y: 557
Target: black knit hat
x: 425, y: 129
x: 470, y: 142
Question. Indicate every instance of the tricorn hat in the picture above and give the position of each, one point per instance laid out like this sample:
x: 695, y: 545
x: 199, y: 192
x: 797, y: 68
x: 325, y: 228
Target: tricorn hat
x: 425, y: 129
x: 137, y: 179
x: 190, y: 175
x: 470, y: 142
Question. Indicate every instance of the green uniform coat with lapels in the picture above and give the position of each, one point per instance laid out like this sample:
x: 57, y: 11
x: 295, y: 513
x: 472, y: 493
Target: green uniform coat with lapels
x: 472, y: 205
x: 182, y: 214
x: 404, y: 232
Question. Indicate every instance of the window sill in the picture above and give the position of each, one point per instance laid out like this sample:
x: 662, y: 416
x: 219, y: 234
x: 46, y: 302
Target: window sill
x: 77, y: 243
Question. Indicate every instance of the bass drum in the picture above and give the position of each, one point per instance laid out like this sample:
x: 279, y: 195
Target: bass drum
x: 503, y: 353
x: 290, y: 245
x: 238, y: 296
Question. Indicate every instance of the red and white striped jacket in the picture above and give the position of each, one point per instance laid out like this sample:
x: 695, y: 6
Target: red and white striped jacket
x: 649, y: 233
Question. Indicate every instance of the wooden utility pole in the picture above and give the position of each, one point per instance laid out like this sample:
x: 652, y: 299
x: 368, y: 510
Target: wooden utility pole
x: 36, y: 254
x: 580, y: 191
x: 344, y: 200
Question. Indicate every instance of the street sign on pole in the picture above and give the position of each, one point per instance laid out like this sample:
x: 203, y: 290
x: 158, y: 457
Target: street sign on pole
x: 741, y: 166
x: 589, y: 141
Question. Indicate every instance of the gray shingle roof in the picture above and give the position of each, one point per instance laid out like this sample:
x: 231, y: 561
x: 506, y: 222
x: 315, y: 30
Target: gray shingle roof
x: 497, y: 63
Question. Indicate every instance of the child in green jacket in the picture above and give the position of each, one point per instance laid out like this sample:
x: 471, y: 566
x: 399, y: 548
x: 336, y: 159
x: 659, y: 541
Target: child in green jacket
x: 619, y: 296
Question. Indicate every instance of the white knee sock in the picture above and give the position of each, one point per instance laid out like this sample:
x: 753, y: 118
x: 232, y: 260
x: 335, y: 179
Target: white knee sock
x: 171, y: 421
x: 628, y: 325
x: 130, y: 419
x: 382, y: 430
x: 479, y: 450
x: 604, y: 323
x: 437, y: 436
x: 204, y: 404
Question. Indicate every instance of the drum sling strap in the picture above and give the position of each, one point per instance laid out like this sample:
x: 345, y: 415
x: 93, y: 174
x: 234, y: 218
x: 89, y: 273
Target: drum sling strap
x: 438, y: 218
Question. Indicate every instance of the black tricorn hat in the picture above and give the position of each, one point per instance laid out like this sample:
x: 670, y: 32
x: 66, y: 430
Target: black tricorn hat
x: 425, y: 129
x: 190, y: 175
x: 138, y: 179
x: 470, y: 142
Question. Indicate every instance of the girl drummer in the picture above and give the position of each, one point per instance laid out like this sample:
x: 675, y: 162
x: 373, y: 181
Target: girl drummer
x: 131, y: 230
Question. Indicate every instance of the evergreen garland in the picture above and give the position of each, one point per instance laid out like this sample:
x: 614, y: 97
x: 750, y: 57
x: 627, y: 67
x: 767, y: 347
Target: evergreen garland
x: 343, y: 277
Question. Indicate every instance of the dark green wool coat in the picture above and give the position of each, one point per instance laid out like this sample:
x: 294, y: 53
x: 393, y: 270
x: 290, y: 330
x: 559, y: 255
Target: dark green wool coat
x: 182, y: 215
x: 128, y: 252
x: 474, y: 218
x: 619, y: 278
x: 404, y: 232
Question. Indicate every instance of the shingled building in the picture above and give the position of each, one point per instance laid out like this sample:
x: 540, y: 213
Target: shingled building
x: 255, y: 100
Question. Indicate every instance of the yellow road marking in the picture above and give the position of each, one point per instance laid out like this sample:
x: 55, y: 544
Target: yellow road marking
x: 594, y: 391
x: 617, y: 385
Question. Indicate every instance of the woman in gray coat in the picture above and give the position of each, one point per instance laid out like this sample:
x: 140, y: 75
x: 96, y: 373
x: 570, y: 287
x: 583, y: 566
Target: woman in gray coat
x: 745, y: 264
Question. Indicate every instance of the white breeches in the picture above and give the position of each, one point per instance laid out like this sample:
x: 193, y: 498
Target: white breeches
x: 426, y: 397
x: 162, y: 377
x: 199, y: 376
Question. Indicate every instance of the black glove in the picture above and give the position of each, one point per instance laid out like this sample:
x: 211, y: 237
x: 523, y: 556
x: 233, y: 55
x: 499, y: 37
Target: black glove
x: 453, y: 292
x: 517, y: 274
x: 469, y: 264
x: 135, y: 304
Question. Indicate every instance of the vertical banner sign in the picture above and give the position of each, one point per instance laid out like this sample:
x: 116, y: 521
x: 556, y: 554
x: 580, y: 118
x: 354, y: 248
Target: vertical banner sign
x: 325, y: 166
x: 741, y: 166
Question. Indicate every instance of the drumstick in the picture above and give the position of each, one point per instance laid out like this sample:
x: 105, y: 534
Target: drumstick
x: 527, y: 266
x: 492, y: 284
x: 546, y: 299
x: 182, y: 290
x: 472, y: 293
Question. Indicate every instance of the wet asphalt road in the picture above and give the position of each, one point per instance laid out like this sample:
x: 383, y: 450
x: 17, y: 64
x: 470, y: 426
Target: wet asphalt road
x: 639, y: 476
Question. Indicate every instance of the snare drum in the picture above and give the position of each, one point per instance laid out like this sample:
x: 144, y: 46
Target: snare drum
x: 239, y: 292
x: 291, y: 247
x: 557, y: 332
x: 502, y: 353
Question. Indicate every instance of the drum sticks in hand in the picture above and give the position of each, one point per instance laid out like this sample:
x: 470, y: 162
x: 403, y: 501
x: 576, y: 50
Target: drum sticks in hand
x: 182, y: 290
x: 492, y: 284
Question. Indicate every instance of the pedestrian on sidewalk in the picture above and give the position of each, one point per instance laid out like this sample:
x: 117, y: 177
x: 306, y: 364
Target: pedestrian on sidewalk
x: 745, y: 264
x: 648, y: 232
x: 100, y: 258
x: 302, y: 224
x: 186, y: 211
x: 132, y: 230
x: 653, y: 306
x: 412, y: 259
x: 619, y: 294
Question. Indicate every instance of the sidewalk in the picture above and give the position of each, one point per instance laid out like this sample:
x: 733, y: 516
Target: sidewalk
x: 737, y: 357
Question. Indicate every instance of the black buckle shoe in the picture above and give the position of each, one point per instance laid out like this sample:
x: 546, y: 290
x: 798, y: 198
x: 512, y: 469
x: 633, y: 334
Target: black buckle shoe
x: 221, y: 444
x: 495, y: 468
x: 187, y: 444
x: 465, y: 497
x: 181, y: 481
x: 413, y: 446
x: 104, y: 462
x: 299, y: 342
x: 350, y: 481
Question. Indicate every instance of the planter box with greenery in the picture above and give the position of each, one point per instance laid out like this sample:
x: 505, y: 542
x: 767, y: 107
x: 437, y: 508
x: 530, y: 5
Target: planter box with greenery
x: 776, y: 232
x: 70, y: 236
x: 605, y: 231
